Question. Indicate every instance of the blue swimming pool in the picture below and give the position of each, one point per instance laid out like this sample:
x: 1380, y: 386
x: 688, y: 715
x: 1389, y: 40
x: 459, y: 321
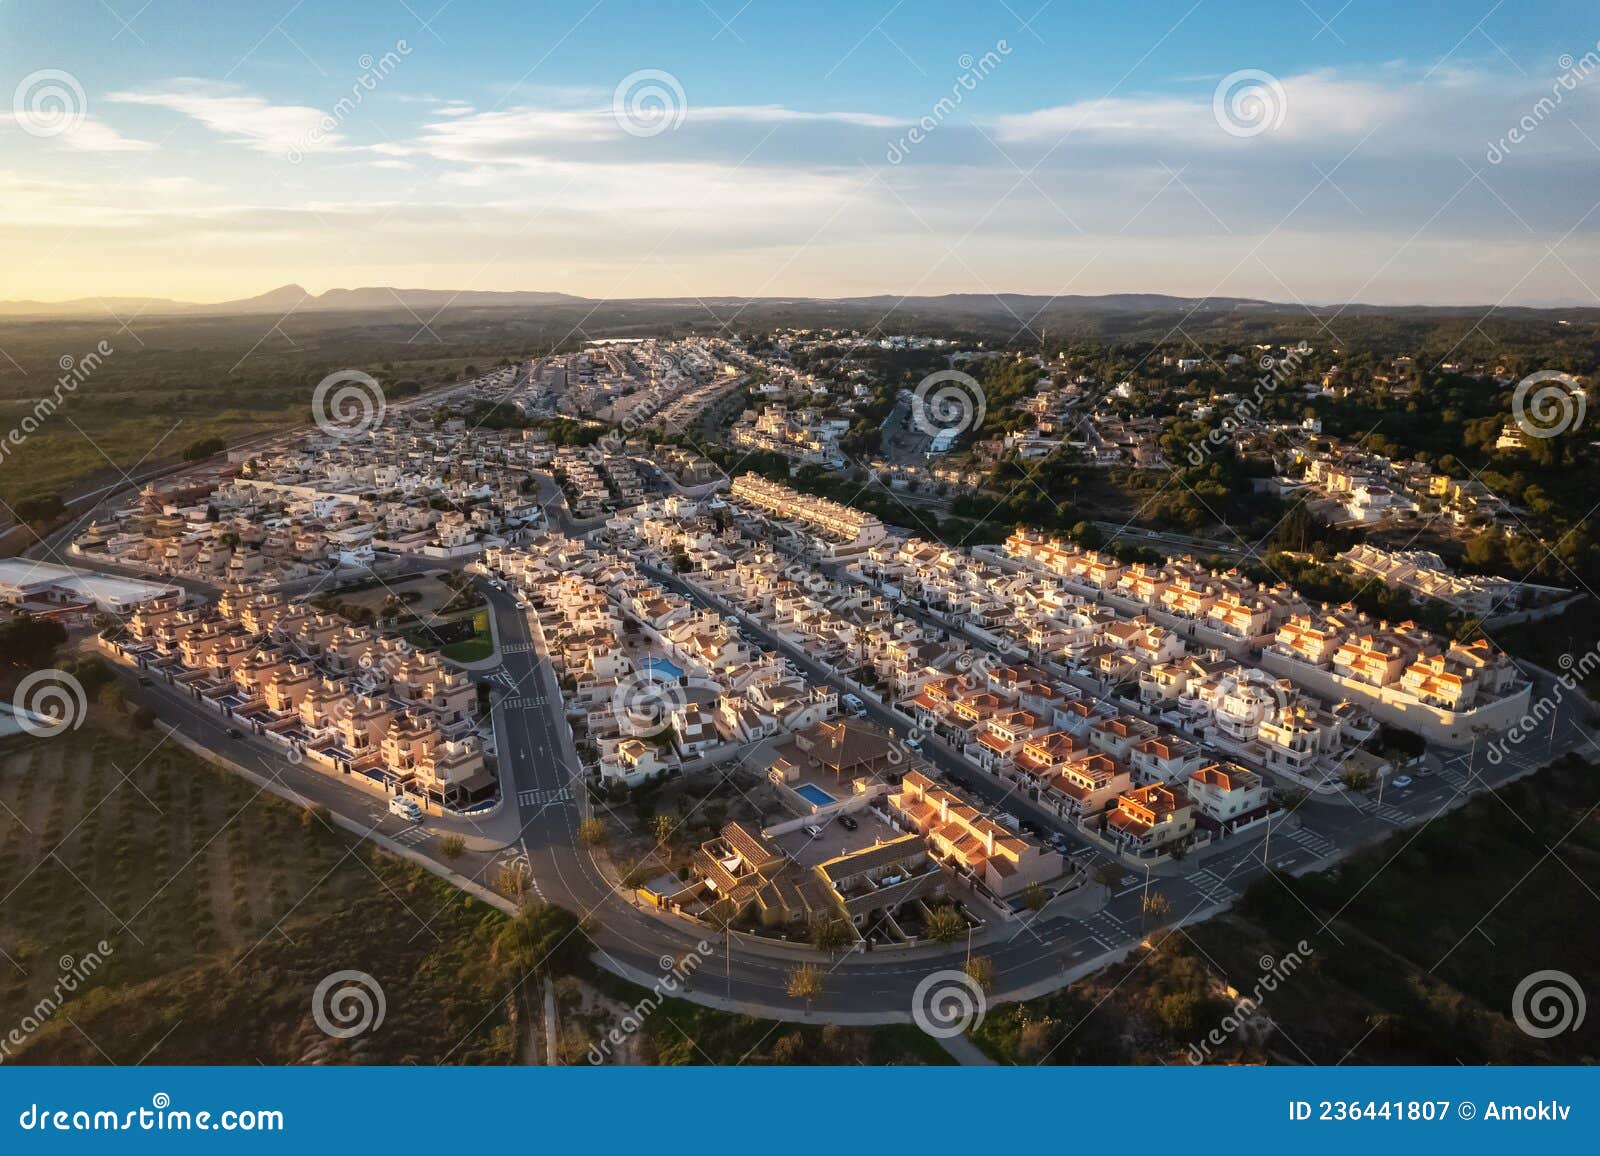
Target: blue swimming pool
x: 663, y: 668
x: 814, y: 795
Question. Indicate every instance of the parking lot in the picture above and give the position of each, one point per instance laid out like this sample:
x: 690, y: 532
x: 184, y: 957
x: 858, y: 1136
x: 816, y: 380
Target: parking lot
x: 835, y: 839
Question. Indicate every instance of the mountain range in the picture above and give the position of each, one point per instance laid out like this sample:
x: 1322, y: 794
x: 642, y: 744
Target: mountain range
x: 428, y: 302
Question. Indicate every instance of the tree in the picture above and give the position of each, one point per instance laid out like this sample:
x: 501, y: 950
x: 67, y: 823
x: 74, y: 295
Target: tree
x: 593, y: 832
x: 39, y: 508
x: 30, y: 642
x: 805, y: 982
x: 1180, y: 1012
x: 945, y: 924
x: 543, y: 940
x: 514, y: 879
x: 664, y: 829
x: 452, y: 846
x: 1356, y: 779
x: 203, y: 448
x: 114, y: 699
x: 829, y: 934
x: 980, y: 971
x: 1157, y: 905
x: 1035, y: 897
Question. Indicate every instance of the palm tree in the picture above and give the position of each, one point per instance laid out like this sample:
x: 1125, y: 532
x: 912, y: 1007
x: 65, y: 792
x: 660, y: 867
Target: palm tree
x: 945, y: 924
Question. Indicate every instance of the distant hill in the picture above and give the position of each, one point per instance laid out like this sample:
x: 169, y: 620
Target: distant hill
x: 952, y: 306
x: 285, y: 298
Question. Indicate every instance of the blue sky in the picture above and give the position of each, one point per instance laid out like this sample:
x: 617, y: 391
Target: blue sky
x: 1381, y: 152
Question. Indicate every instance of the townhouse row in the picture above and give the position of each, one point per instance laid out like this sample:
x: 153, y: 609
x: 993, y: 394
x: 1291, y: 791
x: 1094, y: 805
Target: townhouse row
x: 338, y: 697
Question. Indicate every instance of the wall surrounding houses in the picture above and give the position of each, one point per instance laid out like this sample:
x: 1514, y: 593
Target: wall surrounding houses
x: 1392, y: 705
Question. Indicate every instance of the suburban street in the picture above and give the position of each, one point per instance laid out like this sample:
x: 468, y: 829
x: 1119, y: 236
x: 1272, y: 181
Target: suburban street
x: 543, y: 805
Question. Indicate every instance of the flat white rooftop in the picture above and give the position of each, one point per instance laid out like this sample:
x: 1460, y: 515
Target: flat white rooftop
x: 22, y: 579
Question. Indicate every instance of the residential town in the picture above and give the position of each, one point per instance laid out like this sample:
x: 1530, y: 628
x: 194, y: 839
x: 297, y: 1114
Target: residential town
x: 920, y: 734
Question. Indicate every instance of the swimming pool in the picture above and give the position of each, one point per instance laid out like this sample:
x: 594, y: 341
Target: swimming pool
x: 814, y: 795
x: 664, y: 668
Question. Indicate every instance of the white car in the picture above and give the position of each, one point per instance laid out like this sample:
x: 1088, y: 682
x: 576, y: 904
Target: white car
x: 1403, y: 782
x: 404, y: 808
x: 814, y: 831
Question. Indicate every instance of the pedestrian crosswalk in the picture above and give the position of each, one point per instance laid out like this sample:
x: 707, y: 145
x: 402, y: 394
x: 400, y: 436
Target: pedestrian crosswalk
x: 516, y: 648
x: 411, y: 836
x: 526, y: 702
x: 1305, y: 838
x: 1390, y: 814
x: 545, y: 797
x: 1106, y: 930
x: 1213, y: 887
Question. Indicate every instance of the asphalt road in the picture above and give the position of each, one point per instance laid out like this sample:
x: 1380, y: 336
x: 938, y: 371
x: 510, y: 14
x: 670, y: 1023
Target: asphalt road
x: 544, y: 805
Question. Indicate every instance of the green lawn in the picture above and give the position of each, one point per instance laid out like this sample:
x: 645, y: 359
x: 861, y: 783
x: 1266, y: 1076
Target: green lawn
x: 479, y: 646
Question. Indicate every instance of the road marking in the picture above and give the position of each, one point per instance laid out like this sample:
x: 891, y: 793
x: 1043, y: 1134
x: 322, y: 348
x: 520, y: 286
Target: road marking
x: 1210, y: 886
x: 516, y: 648
x: 526, y: 702
x: 544, y: 797
x: 1318, y: 844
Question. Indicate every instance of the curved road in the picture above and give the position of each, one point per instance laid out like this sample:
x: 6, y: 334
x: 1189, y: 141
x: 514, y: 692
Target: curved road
x: 538, y: 760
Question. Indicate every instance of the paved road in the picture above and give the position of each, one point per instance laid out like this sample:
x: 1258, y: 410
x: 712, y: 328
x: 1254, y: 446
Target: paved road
x: 542, y: 811
x: 543, y: 807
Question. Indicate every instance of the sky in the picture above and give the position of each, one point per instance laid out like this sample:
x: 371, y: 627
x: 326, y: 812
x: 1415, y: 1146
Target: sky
x: 1313, y: 151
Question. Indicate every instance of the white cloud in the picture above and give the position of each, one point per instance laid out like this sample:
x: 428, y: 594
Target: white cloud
x: 240, y: 118
x: 513, y: 135
x: 89, y: 135
x: 1318, y: 105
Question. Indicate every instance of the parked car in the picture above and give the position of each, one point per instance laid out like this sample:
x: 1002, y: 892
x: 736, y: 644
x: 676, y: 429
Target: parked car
x: 403, y: 808
x: 1403, y: 782
x: 848, y: 823
x: 233, y: 734
x: 814, y: 831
